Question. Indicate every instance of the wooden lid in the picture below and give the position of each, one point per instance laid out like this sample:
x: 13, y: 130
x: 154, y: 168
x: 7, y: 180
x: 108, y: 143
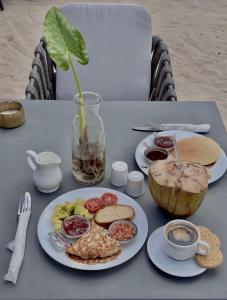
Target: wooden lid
x: 11, y: 114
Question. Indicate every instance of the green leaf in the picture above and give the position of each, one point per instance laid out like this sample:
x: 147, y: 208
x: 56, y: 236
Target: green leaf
x: 63, y: 39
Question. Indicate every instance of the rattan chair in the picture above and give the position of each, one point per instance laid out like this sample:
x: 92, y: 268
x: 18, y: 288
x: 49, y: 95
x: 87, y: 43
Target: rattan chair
x: 42, y: 78
x: 1, y: 5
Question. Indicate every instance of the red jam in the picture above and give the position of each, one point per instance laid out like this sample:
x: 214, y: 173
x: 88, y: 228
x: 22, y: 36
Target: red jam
x: 156, y: 154
x: 165, y: 142
x: 75, y: 226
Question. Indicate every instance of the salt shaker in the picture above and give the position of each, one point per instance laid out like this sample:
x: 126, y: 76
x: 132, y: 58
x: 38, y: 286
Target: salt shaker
x: 119, y: 173
x: 135, y: 184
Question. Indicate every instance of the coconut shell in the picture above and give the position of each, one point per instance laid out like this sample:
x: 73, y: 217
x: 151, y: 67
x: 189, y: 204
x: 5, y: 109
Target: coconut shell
x: 178, y: 191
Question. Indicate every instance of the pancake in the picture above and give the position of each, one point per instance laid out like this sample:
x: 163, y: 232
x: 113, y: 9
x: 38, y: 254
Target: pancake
x: 198, y: 149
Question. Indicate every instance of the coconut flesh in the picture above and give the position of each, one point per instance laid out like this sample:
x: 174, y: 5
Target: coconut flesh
x: 178, y: 190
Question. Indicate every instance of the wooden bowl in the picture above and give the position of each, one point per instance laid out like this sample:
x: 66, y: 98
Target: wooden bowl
x: 11, y: 114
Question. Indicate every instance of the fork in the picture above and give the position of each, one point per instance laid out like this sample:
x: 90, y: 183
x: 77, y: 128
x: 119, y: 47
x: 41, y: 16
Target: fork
x: 63, y: 239
x: 24, y: 204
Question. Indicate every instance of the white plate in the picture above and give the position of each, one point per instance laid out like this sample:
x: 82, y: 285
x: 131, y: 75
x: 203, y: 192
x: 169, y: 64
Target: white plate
x: 217, y: 170
x: 156, y: 253
x: 128, y: 251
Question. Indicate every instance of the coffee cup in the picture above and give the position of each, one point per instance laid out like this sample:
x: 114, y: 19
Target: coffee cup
x: 182, y: 240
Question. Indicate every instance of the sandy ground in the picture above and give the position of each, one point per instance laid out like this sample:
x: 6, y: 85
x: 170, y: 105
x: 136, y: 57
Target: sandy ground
x: 194, y: 30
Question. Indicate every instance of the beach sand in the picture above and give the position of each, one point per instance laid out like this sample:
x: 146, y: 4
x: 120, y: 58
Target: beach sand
x: 194, y: 30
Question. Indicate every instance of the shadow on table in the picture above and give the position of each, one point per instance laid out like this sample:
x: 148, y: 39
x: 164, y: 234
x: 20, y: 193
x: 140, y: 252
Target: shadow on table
x: 209, y: 274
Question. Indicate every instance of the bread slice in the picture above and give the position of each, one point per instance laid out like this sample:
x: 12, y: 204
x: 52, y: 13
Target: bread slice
x: 113, y: 213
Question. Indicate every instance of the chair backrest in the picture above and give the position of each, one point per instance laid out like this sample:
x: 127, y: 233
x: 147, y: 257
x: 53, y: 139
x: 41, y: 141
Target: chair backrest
x: 118, y: 39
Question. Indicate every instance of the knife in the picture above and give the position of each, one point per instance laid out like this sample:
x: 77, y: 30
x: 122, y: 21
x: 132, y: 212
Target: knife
x: 161, y: 127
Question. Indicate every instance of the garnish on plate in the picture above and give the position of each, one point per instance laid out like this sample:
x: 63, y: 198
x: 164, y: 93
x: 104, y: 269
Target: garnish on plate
x: 62, y: 211
x: 80, y: 209
x: 94, y: 204
x: 109, y: 199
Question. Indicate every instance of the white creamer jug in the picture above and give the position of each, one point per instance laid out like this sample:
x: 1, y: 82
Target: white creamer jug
x: 46, y: 172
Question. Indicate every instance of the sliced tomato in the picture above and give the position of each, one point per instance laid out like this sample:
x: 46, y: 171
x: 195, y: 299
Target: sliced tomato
x: 109, y: 199
x: 94, y: 204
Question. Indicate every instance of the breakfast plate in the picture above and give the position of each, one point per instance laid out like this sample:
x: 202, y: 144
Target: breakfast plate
x: 217, y: 170
x: 156, y: 253
x: 128, y: 250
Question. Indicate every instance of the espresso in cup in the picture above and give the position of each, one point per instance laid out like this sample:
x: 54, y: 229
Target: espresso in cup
x: 182, y: 240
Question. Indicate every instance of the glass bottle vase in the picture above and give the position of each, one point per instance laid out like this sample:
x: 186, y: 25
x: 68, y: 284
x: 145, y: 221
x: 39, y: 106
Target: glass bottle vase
x: 88, y: 140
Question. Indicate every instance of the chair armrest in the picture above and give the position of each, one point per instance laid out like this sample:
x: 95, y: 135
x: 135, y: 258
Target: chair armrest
x: 42, y: 78
x: 1, y: 5
x: 162, y: 83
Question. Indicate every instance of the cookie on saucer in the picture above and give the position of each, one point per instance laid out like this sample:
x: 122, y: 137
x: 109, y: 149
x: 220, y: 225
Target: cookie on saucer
x: 215, y: 256
x: 213, y: 260
x: 211, y: 238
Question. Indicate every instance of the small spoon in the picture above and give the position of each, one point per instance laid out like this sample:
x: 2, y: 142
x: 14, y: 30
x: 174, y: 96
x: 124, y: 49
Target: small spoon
x: 145, y: 145
x: 144, y: 167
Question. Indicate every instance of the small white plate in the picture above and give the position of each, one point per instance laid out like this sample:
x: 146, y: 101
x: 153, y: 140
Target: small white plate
x: 217, y: 170
x: 128, y: 251
x: 156, y: 253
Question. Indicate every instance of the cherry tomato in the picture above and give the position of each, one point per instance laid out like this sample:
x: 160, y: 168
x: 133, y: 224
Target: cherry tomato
x: 94, y: 204
x: 109, y: 199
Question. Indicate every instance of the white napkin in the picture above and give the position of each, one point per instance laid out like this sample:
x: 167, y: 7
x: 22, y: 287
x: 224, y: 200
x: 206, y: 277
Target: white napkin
x: 11, y: 246
x: 188, y: 127
x: 18, y: 247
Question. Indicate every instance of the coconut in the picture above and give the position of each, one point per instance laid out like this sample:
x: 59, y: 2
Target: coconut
x: 179, y: 191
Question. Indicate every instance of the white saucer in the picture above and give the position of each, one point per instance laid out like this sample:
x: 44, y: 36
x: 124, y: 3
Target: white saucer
x: 156, y: 253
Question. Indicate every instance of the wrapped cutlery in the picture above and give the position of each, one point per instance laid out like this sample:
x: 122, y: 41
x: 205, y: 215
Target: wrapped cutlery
x: 18, y: 245
x: 202, y: 128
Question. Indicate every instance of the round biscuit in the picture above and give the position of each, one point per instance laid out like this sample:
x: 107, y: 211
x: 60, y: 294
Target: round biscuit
x: 203, y: 229
x: 211, y: 238
x: 213, y: 260
x: 215, y: 241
